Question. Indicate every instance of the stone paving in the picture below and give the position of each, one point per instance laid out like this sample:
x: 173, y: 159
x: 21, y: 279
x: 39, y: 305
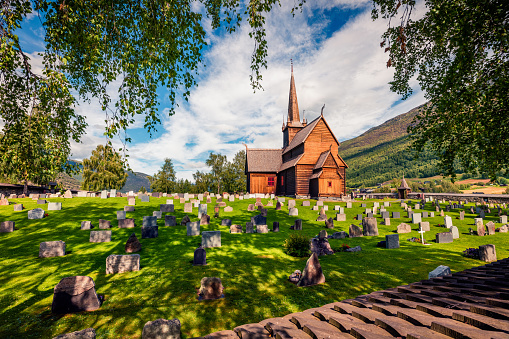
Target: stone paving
x: 470, y: 304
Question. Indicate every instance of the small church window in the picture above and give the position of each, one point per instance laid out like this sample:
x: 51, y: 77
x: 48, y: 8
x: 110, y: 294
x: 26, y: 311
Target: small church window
x: 281, y: 181
x: 270, y: 181
x: 329, y: 183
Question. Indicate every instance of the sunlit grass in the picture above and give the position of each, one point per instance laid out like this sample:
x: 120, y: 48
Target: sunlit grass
x: 253, y: 267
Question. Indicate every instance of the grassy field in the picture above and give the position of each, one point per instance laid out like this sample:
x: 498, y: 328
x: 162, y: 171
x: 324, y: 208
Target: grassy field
x: 253, y: 267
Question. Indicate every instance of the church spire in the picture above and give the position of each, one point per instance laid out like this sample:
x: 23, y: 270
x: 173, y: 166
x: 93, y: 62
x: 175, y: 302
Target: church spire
x: 293, y: 106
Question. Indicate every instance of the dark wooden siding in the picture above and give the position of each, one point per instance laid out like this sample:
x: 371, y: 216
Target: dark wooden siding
x: 303, y: 174
x: 290, y: 181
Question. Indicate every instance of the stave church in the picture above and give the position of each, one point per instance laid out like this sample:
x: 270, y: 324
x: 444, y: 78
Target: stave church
x: 308, y: 165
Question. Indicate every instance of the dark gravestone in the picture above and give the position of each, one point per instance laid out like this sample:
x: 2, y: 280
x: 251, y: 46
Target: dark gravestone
x: 249, y: 227
x: 170, y: 220
x: 312, y: 274
x: 185, y: 220
x: 385, y: 215
x: 133, y: 244
x: 396, y: 215
x: 278, y: 206
x: 263, y: 212
x: 321, y: 245
x: 149, y: 221
x: 226, y: 222
x: 121, y: 215
x: 193, y: 228
x: 148, y: 232
x: 86, y: 225
x: 126, y: 223
x: 75, y: 294
x: 329, y: 223
x: 6, y: 226
x: 298, y: 225
x: 205, y: 219
x: 275, y: 226
x: 487, y: 253
x: 200, y: 257
x: 359, y: 216
x: 250, y: 208
x: 259, y: 220
x: 104, y: 224
x: 129, y: 208
x: 355, y: 231
x: 166, y: 208
x: 340, y: 235
x: 370, y: 227
x: 444, y: 237
x: 392, y: 241
x: 211, y: 239
x: 145, y: 198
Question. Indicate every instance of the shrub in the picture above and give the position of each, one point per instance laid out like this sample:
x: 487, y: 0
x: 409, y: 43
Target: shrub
x: 297, y: 245
x: 480, y: 183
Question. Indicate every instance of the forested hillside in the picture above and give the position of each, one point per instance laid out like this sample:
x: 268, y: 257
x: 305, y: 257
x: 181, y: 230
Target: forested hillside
x: 381, y: 154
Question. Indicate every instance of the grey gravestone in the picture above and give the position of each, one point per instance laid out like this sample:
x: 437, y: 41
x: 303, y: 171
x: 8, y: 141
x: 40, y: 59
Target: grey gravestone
x: 275, y: 226
x: 121, y: 215
x: 104, y: 224
x: 18, y: 207
x: 425, y: 214
x: 226, y: 222
x: 392, y: 241
x: 443, y: 238
x: 149, y: 221
x: 205, y: 219
x: 185, y: 220
x: 100, y: 236
x: 293, y: 211
x: 211, y: 239
x: 416, y: 218
x: 145, y: 198
x: 202, y: 209
x: 340, y: 217
x: 482, y: 214
x: 448, y: 221
x: 455, y: 232
x: 348, y: 205
x: 424, y: 226
x: 122, y: 263
x: 86, y: 225
x: 128, y: 208
x: 319, y: 203
x: 263, y: 212
x: 355, y: 231
x: 157, y: 214
x: 7, y: 226
x: 200, y: 257
x: 340, y: 235
x: 104, y: 194
x: 440, y: 271
x: 487, y: 253
x: 88, y: 333
x: 259, y: 220
x: 385, y: 215
x: 193, y: 228
x: 249, y: 227
x: 126, y: 223
x: 490, y: 227
x: 37, y: 213
x: 396, y: 215
x: 306, y: 203
x: 166, y: 208
x: 359, y: 217
x: 480, y: 227
x: 170, y: 220
x: 370, y: 227
x: 251, y: 208
x: 148, y: 232
x: 387, y: 221
x: 54, y: 206
x: 51, y: 249
x: 364, y: 205
x: 291, y: 204
x: 369, y: 215
x: 329, y: 223
x: 462, y: 215
x: 298, y: 225
x: 41, y: 202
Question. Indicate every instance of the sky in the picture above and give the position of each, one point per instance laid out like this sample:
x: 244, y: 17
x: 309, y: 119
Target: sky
x: 337, y: 61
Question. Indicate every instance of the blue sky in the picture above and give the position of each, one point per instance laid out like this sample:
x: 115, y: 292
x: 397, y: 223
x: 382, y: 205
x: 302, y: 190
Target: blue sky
x: 337, y: 62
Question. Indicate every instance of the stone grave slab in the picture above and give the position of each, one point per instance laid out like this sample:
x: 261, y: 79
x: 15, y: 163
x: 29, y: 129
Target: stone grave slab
x: 447, y: 221
x: 122, y: 263
x: 440, y: 271
x: 128, y: 208
x: 236, y: 229
x: 404, y: 228
x: 75, y: 294
x: 86, y: 225
x: 262, y: 229
x: 249, y: 227
x: 443, y: 238
x: 170, y: 220
x: 149, y: 232
x: 54, y: 206
x: 298, y: 225
x: 37, y: 213
x: 121, y: 215
x: 416, y: 218
x: 18, y: 207
x: 480, y: 227
x: 340, y: 235
x: 100, y: 236
x: 275, y: 226
x: 306, y: 203
x: 193, y: 228
x: 340, y: 217
x: 396, y: 215
x: 166, y: 208
x: 293, y: 211
x: 487, y: 253
x: 455, y: 232
x: 49, y: 249
x: 7, y: 226
x: 104, y: 224
x: 355, y: 231
x: 490, y: 228
x: 392, y: 241
x: 199, y: 258
x: 424, y: 226
x: 126, y: 223
x: 370, y: 227
x: 211, y: 239
x: 149, y: 221
x: 259, y: 220
x: 133, y: 244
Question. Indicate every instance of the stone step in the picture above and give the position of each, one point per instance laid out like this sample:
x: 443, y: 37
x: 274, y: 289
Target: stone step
x: 401, y: 328
x: 481, y: 321
x: 386, y: 309
x: 324, y: 330
x: 457, y: 329
x: 416, y: 317
x: 369, y: 331
x: 497, y: 303
x: 490, y: 311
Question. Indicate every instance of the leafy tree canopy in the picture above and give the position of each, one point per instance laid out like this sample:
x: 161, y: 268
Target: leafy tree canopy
x: 104, y: 170
x: 458, y: 52
x: 165, y: 179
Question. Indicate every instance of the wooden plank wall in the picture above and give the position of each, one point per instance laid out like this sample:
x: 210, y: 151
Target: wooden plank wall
x: 290, y: 181
x: 259, y: 184
x: 317, y: 142
x: 303, y: 174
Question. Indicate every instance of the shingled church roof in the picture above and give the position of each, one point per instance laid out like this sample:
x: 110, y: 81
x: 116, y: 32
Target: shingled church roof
x: 263, y: 160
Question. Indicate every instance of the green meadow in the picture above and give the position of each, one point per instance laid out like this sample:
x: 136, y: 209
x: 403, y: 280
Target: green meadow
x: 253, y: 267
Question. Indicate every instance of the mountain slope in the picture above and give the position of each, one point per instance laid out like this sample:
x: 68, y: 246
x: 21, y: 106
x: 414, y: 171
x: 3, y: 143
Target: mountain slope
x: 381, y: 154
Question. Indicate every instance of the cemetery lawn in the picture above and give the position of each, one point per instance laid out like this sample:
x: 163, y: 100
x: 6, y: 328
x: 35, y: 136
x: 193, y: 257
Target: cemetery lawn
x: 253, y: 267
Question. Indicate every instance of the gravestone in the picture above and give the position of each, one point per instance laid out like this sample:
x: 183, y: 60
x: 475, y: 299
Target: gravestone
x: 370, y: 227
x: 185, y: 220
x: 329, y: 223
x: 455, y: 232
x: 205, y: 219
x: 503, y: 219
x: 396, y: 215
x: 131, y: 201
x: 293, y: 211
x: 480, y: 227
x: 88, y: 333
x: 355, y: 231
x: 425, y: 214
x: 170, y: 220
x: 144, y: 198
x: 387, y: 221
x: 200, y: 257
x: 306, y: 203
x: 298, y: 225
x: 149, y: 221
x: 447, y: 221
x: 210, y: 288
x: 291, y: 204
x: 278, y: 206
x: 502, y: 229
x: 319, y: 203
x: 169, y: 202
x: 193, y: 228
x: 7, y: 226
x: 49, y: 249
x: 228, y: 209
x: 416, y: 218
x: 263, y: 212
x: 312, y: 274
x: 442, y: 238
x: 18, y: 207
x: 122, y: 263
x: 75, y: 294
x: 364, y: 205
x: 367, y: 211
x: 121, y: 215
x: 126, y: 223
x: 251, y: 208
x: 275, y: 226
x: 149, y: 232
x: 54, y: 206
x: 249, y: 227
x: 157, y: 214
x: 104, y: 224
x: 340, y: 217
x: 424, y: 226
x: 166, y: 208
x: 209, y: 200
x: 188, y: 207
x: 359, y: 217
x: 104, y: 194
x: 211, y: 239
x: 339, y: 235
x: 259, y: 220
x: 322, y: 216
x: 432, y: 214
x: 387, y: 204
x: 113, y: 193
x: 236, y: 229
x: 462, y: 215
x: 270, y: 203
x: 100, y: 236
x: 133, y: 244
x: 490, y: 227
x: 202, y: 209
x: 404, y: 228
x: 86, y: 225
x: 128, y: 208
x: 487, y: 253
x: 392, y: 241
x: 37, y: 213
x: 348, y: 205
x: 226, y: 222
x: 262, y: 229
x: 68, y: 194
x: 440, y: 271
x: 385, y: 215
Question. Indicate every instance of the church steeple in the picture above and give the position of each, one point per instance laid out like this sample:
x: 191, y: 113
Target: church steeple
x: 293, y: 105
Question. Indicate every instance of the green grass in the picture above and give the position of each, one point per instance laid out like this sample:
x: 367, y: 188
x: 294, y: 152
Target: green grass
x: 253, y: 268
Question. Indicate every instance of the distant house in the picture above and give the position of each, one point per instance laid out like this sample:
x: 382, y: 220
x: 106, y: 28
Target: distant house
x: 307, y: 165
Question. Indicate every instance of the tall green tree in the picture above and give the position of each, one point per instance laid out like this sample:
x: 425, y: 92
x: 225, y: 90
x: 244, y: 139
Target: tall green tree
x: 459, y: 53
x: 235, y: 177
x: 104, y: 170
x: 217, y: 164
x: 202, y: 181
x: 165, y: 179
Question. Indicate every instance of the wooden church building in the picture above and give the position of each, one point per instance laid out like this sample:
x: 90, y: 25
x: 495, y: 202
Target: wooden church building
x: 307, y: 165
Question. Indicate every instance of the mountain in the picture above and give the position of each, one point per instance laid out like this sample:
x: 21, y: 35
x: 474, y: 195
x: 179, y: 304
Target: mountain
x: 382, y: 153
